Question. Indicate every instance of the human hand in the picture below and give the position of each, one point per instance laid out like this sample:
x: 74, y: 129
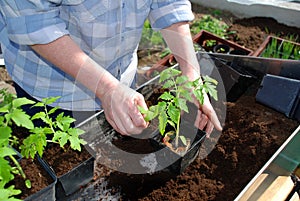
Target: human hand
x: 206, y: 117
x: 120, y: 108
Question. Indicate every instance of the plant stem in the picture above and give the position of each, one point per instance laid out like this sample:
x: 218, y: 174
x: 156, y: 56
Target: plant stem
x: 18, y: 166
x: 177, y: 132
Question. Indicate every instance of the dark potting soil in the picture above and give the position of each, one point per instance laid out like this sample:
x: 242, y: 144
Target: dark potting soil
x: 251, y: 135
x: 37, y: 175
x: 64, y: 160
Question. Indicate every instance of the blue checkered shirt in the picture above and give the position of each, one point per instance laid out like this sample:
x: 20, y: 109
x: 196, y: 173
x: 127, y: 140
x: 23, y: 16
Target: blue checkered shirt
x: 107, y: 30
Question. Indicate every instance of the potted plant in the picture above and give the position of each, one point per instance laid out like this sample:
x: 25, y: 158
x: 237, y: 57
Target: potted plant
x: 35, y: 141
x: 13, y: 174
x: 178, y: 92
x: 59, y: 138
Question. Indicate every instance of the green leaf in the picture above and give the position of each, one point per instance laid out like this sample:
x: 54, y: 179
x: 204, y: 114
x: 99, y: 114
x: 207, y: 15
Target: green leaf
x: 50, y: 100
x: 22, y: 101
x: 38, y: 115
x: 5, y: 135
x: 166, y: 96
x: 5, y: 171
x: 39, y: 104
x: 181, y: 79
x: 162, y: 118
x: 21, y: 119
x: 53, y: 110
x: 4, y: 109
x: 209, y: 79
x: 181, y: 104
x: 174, y: 113
x: 34, y: 144
x: 168, y: 73
x: 183, y: 139
x: 168, y: 84
x: 6, y: 194
x: 199, y: 96
x: 61, y: 137
x: 27, y: 183
x: 185, y: 94
x: 7, y: 151
x: 142, y: 110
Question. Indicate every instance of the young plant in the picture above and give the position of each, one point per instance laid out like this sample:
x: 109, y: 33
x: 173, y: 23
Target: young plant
x: 59, y: 129
x: 210, y: 24
x: 179, y: 90
x: 11, y: 113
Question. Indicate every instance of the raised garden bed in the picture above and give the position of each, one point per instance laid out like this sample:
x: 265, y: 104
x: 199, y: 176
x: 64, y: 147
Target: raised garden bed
x: 225, y: 165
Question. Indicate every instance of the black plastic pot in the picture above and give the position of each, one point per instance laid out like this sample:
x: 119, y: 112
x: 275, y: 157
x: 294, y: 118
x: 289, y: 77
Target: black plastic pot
x: 281, y: 94
x: 235, y: 80
x: 221, y: 48
x: 73, y: 180
x: 48, y: 193
x: 179, y: 163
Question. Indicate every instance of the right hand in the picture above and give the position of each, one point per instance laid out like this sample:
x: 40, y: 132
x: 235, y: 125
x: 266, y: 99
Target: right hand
x: 120, y: 109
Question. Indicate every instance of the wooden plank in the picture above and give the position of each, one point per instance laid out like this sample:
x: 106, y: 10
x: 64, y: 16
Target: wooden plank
x: 295, y: 197
x: 253, y: 188
x: 278, y: 190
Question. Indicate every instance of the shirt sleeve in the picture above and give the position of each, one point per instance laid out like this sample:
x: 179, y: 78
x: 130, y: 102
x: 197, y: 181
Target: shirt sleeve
x: 164, y: 13
x: 30, y: 22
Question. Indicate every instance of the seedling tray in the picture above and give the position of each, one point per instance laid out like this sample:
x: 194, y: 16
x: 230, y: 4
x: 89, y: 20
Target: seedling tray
x: 203, y: 36
x: 263, y: 47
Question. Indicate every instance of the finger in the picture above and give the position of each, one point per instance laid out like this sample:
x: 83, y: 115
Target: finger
x: 212, y: 116
x: 209, y: 128
x: 114, y: 125
x: 135, y: 114
x: 215, y: 120
x: 201, y: 120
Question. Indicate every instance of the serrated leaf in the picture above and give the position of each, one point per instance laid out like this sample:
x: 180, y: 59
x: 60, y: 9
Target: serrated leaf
x: 174, y: 113
x: 166, y: 96
x: 7, y: 193
x: 39, y: 104
x: 4, y: 109
x: 199, y: 96
x: 162, y: 118
x: 181, y: 79
x: 22, y: 101
x: 186, y: 94
x: 5, y: 133
x: 50, y: 100
x: 38, y: 115
x: 21, y: 119
x: 168, y: 84
x: 181, y: 104
x: 210, y: 79
x: 168, y: 73
x: 52, y: 110
x: 61, y: 138
x: 34, y: 144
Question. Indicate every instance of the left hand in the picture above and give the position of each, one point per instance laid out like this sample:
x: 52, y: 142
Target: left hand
x: 206, y: 117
